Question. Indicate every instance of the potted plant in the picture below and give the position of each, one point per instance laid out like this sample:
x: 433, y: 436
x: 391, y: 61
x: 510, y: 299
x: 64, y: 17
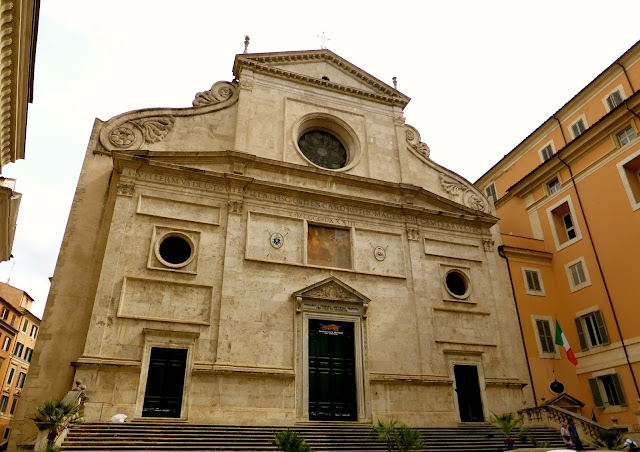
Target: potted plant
x: 510, y: 425
x: 610, y: 439
x: 53, y: 416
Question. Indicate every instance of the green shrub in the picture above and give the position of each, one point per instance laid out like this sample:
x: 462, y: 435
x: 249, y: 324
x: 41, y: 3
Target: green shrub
x: 398, y: 439
x: 289, y: 441
x: 607, y: 439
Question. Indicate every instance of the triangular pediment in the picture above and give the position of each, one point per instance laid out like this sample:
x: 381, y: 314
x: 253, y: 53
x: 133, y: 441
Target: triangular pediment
x: 311, y: 66
x: 564, y: 400
x: 332, y: 289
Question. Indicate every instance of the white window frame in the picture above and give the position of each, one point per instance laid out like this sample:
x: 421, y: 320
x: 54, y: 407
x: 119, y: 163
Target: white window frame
x: 34, y: 331
x: 605, y: 102
x: 6, y: 345
x: 618, y: 141
x: 582, y: 117
x: 635, y: 203
x: 553, y: 151
x: 567, y: 267
x: 576, y: 226
x: 594, y: 312
x: 11, y: 375
x: 25, y: 325
x: 527, y: 289
x: 541, y: 352
x: 548, y: 188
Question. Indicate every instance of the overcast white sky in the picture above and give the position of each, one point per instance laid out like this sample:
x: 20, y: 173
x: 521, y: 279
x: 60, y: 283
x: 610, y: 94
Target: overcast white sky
x: 482, y: 75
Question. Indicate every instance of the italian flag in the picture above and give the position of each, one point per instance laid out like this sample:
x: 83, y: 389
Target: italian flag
x: 561, y: 339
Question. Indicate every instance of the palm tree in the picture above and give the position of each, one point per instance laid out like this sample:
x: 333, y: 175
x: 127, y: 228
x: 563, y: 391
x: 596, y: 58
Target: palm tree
x: 509, y: 424
x: 288, y: 441
x: 54, y: 416
x: 607, y: 439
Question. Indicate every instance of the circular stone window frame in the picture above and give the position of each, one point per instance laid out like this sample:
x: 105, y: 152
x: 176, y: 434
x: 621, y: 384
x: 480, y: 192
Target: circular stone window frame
x: 336, y: 127
x: 555, y: 392
x: 467, y: 282
x: 182, y: 235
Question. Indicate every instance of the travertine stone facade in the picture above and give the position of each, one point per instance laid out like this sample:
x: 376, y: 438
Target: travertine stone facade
x: 228, y: 177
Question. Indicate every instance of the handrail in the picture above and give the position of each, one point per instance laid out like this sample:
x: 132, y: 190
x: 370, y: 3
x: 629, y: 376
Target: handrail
x: 554, y: 416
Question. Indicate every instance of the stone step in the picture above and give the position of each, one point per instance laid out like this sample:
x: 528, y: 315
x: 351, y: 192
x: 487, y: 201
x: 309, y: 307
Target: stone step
x: 342, y: 437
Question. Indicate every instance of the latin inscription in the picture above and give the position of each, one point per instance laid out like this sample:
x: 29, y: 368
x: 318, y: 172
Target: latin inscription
x: 312, y: 203
x: 308, y: 306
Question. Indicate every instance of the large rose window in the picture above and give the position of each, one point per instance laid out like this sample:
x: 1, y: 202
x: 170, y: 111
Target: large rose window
x: 323, y: 149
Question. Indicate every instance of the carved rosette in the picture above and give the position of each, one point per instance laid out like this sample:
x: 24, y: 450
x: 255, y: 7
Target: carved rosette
x: 132, y: 134
x: 219, y: 92
x: 488, y: 245
x: 413, y: 140
x: 468, y: 197
x: 125, y: 189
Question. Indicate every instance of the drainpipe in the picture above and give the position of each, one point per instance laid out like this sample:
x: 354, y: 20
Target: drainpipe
x: 604, y: 281
x: 561, y: 131
x: 627, y: 76
x: 533, y: 388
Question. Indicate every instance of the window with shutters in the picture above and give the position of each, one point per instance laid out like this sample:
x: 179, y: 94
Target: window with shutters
x: 607, y: 391
x: 592, y: 332
x: 564, y: 228
x: 18, y: 351
x: 3, y: 404
x: 25, y: 325
x: 546, y: 152
x: 21, y: 378
x: 12, y: 372
x: 491, y: 192
x: 543, y: 327
x: 533, y: 281
x: 614, y: 98
x: 13, y: 406
x: 578, y: 127
x: 577, y: 274
x: 28, y: 353
x: 6, y: 344
x: 629, y: 170
x: 34, y: 332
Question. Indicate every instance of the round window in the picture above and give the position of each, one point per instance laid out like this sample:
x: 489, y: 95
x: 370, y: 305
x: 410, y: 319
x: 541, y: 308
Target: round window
x: 323, y: 149
x: 457, y: 284
x: 174, y: 249
x: 326, y: 141
x: 556, y: 387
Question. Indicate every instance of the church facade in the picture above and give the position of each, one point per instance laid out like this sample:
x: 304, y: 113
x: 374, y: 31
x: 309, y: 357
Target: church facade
x: 283, y: 251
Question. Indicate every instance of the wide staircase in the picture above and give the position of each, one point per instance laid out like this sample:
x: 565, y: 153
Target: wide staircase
x: 138, y: 436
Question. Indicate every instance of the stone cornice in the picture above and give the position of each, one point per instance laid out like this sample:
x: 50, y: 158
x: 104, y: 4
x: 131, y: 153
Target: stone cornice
x: 527, y: 254
x: 261, y: 62
x: 18, y: 30
x: 412, y: 196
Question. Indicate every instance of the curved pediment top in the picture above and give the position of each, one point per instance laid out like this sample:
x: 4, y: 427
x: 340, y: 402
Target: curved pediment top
x: 332, y: 289
x: 132, y: 130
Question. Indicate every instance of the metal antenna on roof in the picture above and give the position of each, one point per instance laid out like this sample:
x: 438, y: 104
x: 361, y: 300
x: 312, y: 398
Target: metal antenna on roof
x: 324, y: 38
x: 246, y: 43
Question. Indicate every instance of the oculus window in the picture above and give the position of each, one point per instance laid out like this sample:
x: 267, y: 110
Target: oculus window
x: 323, y: 149
x: 457, y: 284
x: 328, y: 247
x: 175, y: 249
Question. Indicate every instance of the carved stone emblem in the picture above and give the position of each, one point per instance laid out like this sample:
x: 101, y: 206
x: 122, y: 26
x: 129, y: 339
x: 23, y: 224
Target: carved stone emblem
x: 276, y: 240
x: 219, y: 92
x: 412, y: 234
x: 488, y: 245
x: 125, y: 189
x: 379, y: 253
x: 122, y: 136
x: 413, y: 139
x: 331, y: 291
x: 155, y: 129
x: 452, y: 187
x: 455, y: 188
x: 235, y: 206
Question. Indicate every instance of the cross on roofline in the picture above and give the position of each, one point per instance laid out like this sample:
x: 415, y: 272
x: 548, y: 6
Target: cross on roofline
x: 324, y: 38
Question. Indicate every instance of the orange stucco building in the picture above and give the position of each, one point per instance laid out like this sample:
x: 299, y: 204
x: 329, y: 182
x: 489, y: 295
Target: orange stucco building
x: 568, y: 198
x: 18, y: 333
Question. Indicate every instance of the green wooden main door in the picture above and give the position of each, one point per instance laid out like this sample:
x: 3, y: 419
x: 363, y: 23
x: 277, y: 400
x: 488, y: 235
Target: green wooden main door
x: 332, y: 376
x: 165, y: 382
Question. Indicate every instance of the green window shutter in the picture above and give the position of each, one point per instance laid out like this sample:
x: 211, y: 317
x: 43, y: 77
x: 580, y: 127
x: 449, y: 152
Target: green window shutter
x: 544, y: 335
x: 601, y: 327
x: 581, y: 337
x: 618, y: 385
x: 595, y: 393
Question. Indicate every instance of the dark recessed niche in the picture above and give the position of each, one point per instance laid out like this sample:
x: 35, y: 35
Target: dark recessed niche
x: 456, y: 283
x: 175, y: 250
